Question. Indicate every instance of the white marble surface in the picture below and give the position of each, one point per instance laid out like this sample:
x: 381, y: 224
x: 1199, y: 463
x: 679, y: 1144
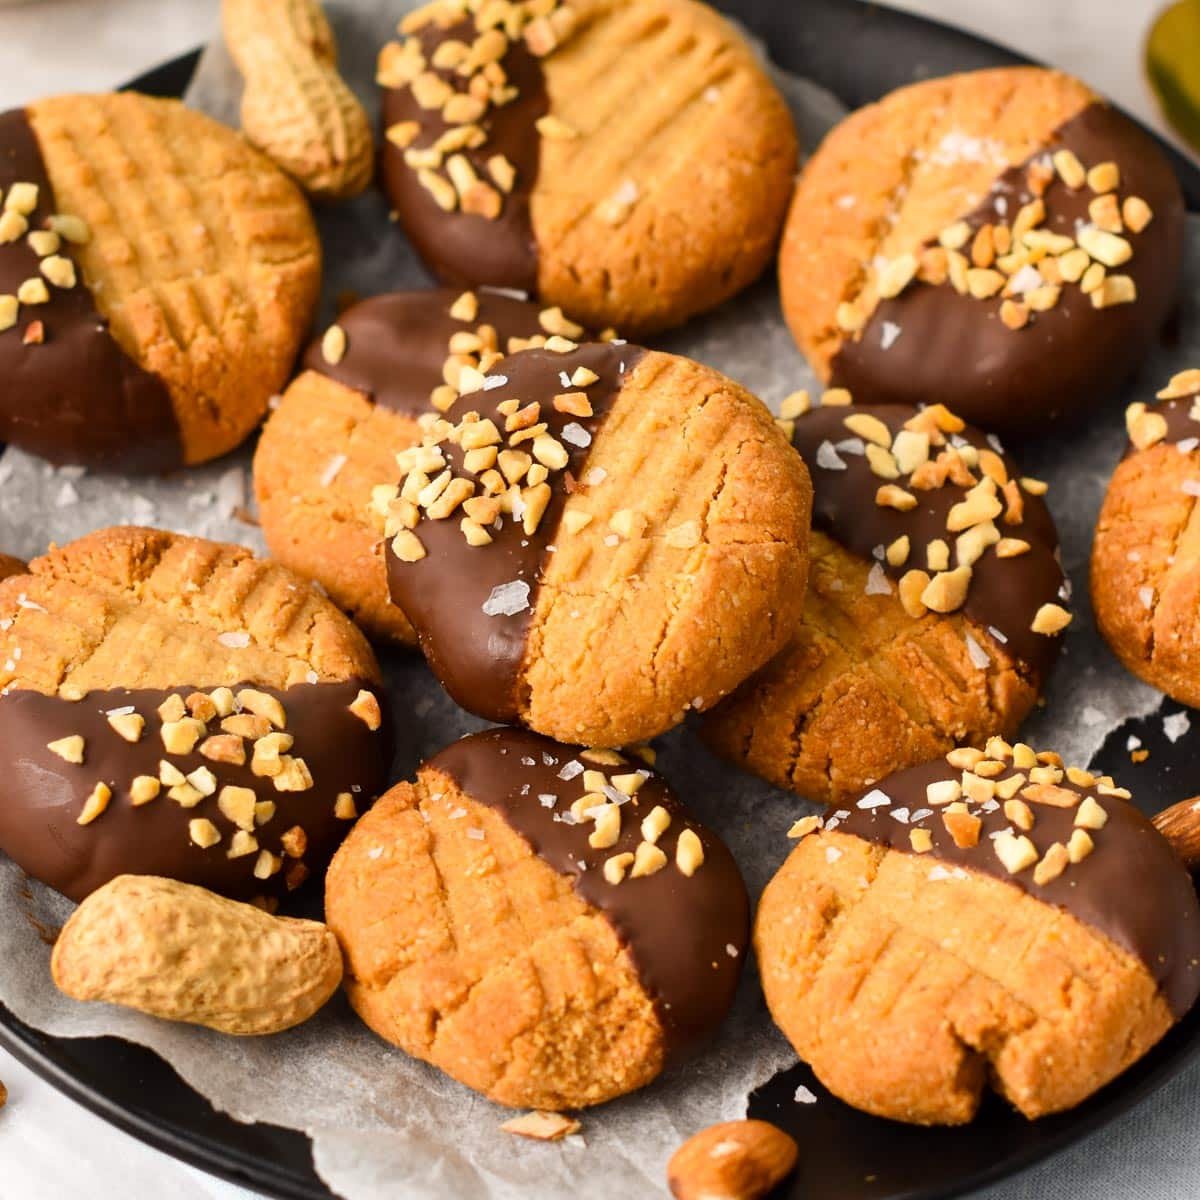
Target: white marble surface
x: 52, y: 1148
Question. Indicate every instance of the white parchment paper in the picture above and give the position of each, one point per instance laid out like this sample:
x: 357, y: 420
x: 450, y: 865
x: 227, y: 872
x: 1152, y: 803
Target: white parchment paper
x: 382, y: 1124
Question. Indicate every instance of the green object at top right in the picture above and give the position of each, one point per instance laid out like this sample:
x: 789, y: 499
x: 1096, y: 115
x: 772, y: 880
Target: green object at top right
x: 1173, y: 67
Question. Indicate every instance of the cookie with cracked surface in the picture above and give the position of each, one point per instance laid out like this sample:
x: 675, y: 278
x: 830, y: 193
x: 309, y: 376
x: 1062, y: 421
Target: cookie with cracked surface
x: 532, y: 152
x: 11, y: 566
x: 172, y: 706
x: 987, y: 919
x: 548, y: 926
x: 368, y: 382
x: 157, y: 276
x: 1145, y: 568
x: 596, y: 538
x: 934, y: 606
x: 1003, y: 240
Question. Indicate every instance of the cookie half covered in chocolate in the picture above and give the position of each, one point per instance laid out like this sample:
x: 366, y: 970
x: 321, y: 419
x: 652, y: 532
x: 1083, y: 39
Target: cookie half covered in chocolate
x: 596, y: 538
x: 11, y: 566
x: 988, y: 919
x: 934, y: 611
x: 1146, y: 554
x: 157, y: 276
x: 630, y: 162
x: 549, y: 926
x: 176, y: 707
x: 368, y: 381
x: 1003, y: 240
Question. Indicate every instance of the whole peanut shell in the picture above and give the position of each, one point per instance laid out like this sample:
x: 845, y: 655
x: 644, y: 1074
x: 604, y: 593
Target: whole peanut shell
x: 185, y: 954
x: 296, y: 108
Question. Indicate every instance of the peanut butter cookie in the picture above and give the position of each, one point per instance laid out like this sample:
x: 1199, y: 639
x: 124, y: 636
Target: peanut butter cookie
x: 934, y: 605
x: 546, y: 925
x: 176, y: 707
x: 1003, y: 240
x: 987, y: 919
x: 367, y: 382
x: 596, y: 538
x: 628, y: 161
x: 1146, y: 555
x: 157, y: 276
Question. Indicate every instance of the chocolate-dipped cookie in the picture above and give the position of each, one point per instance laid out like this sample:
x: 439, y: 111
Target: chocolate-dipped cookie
x: 1003, y: 240
x: 987, y: 919
x: 548, y: 926
x: 1146, y: 553
x: 934, y: 607
x: 157, y: 276
x: 528, y: 148
x: 596, y: 538
x: 367, y: 384
x: 175, y: 707
x: 11, y: 566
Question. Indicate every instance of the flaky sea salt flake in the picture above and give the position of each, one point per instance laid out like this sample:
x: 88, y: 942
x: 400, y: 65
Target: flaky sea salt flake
x: 828, y: 458
x: 332, y: 469
x: 878, y: 583
x: 507, y: 599
x: 980, y: 658
x: 874, y: 799
x: 1175, y: 726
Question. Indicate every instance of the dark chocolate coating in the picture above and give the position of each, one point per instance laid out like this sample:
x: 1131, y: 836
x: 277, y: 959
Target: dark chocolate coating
x: 955, y: 349
x: 41, y: 796
x: 1005, y: 593
x: 77, y: 398
x: 1181, y: 427
x: 458, y: 247
x: 478, y: 657
x: 396, y: 343
x: 1132, y: 887
x: 687, y: 935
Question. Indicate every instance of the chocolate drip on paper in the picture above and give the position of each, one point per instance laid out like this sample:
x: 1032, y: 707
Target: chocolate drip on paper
x: 41, y: 796
x: 478, y: 657
x: 687, y: 935
x: 1005, y: 593
x: 396, y: 343
x: 78, y: 397
x: 955, y: 350
x: 459, y: 247
x: 1132, y: 887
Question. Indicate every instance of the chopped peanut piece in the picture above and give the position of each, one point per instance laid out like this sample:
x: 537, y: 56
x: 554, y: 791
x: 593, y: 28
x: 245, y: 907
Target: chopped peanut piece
x: 69, y: 749
x: 95, y: 804
x: 689, y: 852
x: 648, y: 859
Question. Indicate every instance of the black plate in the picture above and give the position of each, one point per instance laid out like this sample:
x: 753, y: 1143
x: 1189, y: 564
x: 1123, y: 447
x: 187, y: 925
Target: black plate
x: 859, y: 52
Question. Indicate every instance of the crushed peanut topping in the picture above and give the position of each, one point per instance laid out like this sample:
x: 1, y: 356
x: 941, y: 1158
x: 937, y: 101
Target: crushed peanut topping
x: 607, y: 798
x: 70, y: 749
x: 925, y: 455
x: 95, y: 804
x: 46, y: 243
x: 1023, y: 263
x: 1005, y: 790
x: 459, y: 85
x: 504, y: 473
x: 218, y: 725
